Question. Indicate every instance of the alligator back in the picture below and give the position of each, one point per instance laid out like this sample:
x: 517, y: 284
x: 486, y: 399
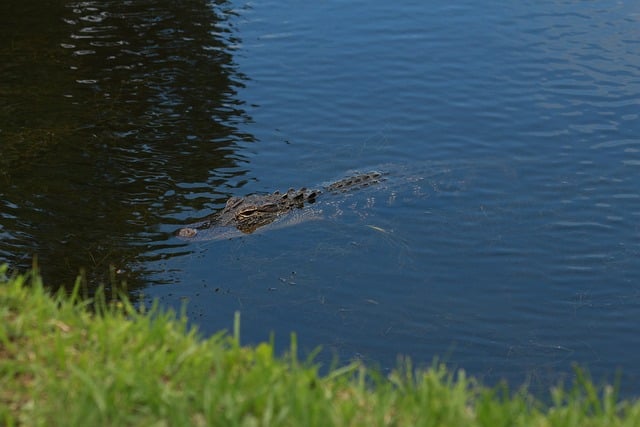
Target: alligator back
x: 355, y: 182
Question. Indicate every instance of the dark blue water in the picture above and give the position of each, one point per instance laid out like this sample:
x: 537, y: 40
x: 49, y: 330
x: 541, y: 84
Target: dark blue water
x: 503, y: 240
x: 506, y: 240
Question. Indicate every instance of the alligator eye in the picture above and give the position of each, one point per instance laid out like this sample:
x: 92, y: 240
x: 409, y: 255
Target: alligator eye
x: 244, y: 213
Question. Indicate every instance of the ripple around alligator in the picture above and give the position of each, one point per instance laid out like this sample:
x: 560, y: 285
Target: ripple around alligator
x: 325, y: 201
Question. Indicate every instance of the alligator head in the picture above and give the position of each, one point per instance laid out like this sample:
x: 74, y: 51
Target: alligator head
x: 251, y: 212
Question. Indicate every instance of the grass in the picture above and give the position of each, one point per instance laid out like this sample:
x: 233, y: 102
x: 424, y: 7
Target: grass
x: 62, y: 363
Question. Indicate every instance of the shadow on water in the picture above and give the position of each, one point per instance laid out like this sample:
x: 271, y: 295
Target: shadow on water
x: 114, y: 116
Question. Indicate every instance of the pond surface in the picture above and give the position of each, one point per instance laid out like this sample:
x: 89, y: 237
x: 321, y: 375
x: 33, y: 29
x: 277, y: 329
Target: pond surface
x: 504, y: 238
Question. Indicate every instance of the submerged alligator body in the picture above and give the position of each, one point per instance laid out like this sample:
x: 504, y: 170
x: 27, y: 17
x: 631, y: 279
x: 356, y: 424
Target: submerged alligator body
x: 244, y: 215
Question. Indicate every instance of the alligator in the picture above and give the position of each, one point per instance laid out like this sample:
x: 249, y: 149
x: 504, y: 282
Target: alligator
x: 245, y: 215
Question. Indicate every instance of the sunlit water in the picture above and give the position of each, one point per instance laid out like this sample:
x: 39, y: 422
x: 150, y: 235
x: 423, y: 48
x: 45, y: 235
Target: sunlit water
x: 504, y: 238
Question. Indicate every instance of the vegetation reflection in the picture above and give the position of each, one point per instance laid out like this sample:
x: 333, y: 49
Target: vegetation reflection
x: 112, y: 108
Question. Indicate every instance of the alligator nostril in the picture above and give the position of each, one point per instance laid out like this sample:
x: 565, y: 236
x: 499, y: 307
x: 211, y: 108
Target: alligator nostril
x: 187, y: 232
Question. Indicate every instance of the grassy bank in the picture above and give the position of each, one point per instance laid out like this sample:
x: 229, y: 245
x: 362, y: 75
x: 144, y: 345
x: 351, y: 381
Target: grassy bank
x: 62, y: 364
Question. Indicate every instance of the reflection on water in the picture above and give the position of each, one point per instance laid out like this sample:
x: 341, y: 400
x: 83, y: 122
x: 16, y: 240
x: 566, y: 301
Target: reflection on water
x: 111, y: 110
x: 505, y: 238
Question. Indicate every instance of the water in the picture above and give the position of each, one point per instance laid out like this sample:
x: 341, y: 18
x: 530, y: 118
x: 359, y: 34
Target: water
x: 503, y: 240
